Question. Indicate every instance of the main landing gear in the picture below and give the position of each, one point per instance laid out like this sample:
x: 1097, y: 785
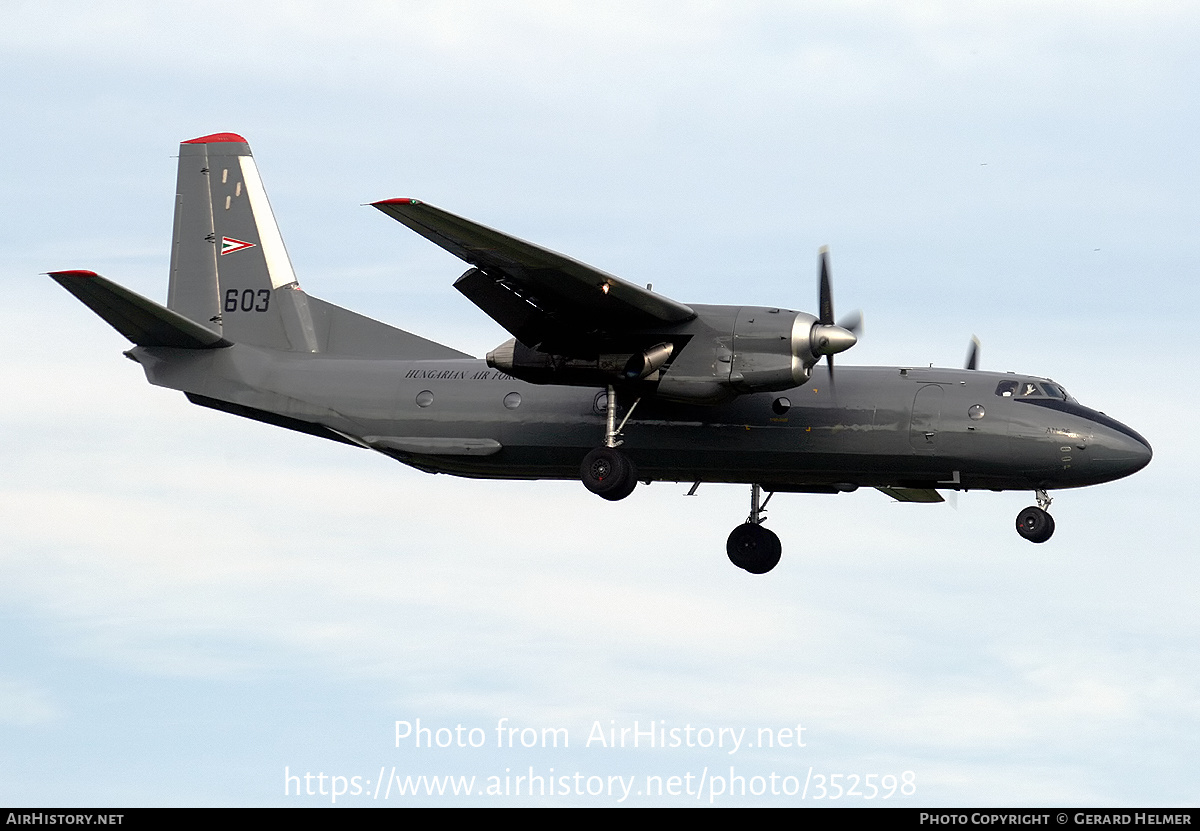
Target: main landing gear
x: 751, y: 546
x: 610, y: 474
x: 1035, y: 524
x: 606, y: 471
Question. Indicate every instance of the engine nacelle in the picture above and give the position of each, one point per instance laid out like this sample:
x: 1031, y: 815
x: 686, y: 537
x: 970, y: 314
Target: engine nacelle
x: 644, y: 364
x: 538, y: 367
x: 774, y: 349
x: 727, y: 351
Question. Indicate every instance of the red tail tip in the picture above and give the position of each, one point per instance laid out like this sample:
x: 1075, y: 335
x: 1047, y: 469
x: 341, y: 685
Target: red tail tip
x: 216, y: 138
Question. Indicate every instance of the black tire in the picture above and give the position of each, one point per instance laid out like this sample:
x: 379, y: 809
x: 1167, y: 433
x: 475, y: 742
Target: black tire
x: 617, y: 496
x: 607, y: 472
x: 753, y: 548
x: 1035, y: 525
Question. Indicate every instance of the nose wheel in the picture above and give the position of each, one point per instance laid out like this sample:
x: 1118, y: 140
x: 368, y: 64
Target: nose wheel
x: 1035, y: 523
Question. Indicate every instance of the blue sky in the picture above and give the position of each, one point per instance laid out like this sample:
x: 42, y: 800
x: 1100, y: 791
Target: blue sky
x: 192, y: 603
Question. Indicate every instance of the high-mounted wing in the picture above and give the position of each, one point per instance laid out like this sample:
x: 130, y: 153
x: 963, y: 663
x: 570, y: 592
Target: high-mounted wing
x: 548, y: 301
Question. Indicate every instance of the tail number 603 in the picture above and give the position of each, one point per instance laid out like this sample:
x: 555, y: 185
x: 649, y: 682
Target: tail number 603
x: 247, y: 300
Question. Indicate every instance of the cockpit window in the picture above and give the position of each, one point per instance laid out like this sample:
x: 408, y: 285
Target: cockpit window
x: 1032, y: 389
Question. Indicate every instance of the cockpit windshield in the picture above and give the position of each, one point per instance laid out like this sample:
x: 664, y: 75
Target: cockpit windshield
x: 1031, y: 389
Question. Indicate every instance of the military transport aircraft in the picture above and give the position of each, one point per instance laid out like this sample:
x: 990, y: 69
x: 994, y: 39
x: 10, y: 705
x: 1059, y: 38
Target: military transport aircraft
x: 603, y: 380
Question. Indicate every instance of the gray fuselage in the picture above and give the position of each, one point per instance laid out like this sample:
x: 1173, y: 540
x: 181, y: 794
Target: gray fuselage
x: 880, y: 427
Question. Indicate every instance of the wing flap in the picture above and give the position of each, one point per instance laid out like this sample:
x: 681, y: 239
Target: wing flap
x: 523, y: 320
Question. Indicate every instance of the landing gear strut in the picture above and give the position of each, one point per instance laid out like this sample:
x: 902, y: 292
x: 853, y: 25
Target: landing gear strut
x: 1034, y: 523
x: 606, y: 471
x: 751, y: 546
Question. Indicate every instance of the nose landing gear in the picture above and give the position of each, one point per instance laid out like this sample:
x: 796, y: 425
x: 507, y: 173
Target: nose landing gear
x: 1034, y: 523
x: 751, y: 546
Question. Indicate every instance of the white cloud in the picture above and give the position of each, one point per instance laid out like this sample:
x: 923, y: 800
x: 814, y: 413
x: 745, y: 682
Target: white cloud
x: 21, y: 704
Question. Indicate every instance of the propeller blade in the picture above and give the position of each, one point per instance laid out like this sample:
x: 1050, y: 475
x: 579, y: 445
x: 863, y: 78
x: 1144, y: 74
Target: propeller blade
x: 826, y: 290
x: 973, y: 354
x: 853, y: 322
x: 831, y: 338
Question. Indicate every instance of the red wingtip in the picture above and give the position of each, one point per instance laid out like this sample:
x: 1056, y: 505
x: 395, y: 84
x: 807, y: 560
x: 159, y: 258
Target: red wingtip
x: 216, y: 138
x: 401, y: 201
x: 73, y: 273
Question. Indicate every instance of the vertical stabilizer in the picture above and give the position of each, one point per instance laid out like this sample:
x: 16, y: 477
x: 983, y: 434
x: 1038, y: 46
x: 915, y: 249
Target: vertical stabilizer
x: 229, y: 268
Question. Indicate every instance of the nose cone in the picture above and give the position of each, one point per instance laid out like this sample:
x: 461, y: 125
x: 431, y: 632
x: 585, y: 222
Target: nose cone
x: 1118, y: 451
x: 830, y: 339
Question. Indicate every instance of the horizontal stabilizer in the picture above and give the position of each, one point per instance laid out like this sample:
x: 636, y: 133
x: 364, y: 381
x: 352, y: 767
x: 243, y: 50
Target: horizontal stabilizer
x: 913, y: 494
x: 143, y: 321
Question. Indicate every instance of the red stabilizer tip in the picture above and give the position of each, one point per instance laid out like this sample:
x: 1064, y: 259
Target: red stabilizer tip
x: 74, y: 273
x: 215, y: 138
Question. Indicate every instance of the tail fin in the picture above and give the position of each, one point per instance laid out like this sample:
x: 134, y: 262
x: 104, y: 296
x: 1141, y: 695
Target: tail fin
x: 231, y: 272
x: 227, y: 257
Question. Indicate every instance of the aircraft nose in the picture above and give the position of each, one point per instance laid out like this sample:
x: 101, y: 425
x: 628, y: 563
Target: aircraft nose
x: 1117, y: 453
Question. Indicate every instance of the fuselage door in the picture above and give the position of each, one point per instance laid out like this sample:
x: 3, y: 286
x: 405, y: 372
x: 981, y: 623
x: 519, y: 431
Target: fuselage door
x: 926, y: 419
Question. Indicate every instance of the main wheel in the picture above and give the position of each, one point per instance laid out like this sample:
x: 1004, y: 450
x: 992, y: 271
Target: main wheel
x: 609, y: 473
x: 617, y: 496
x: 1034, y: 524
x: 753, y: 548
